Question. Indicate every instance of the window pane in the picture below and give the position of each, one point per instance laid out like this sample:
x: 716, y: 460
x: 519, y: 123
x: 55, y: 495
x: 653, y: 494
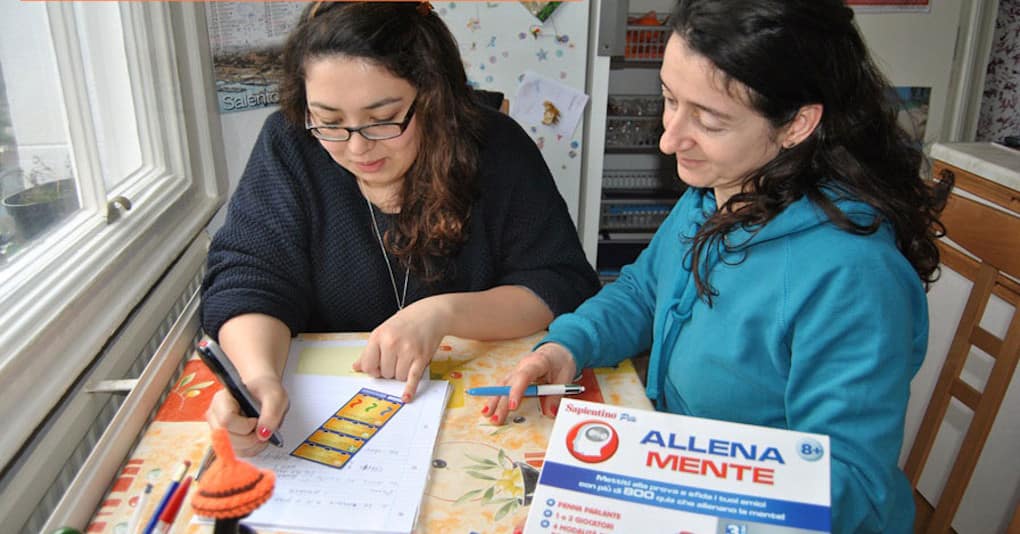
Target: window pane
x: 109, y: 89
x: 89, y: 265
x: 37, y: 182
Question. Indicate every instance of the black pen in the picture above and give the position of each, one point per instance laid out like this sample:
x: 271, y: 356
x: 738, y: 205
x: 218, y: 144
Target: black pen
x: 220, y: 365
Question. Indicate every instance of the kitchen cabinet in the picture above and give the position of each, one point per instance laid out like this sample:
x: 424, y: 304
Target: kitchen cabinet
x: 990, y: 174
x: 639, y: 185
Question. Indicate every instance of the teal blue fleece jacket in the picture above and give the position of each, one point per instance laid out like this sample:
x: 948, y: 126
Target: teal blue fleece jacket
x: 813, y: 329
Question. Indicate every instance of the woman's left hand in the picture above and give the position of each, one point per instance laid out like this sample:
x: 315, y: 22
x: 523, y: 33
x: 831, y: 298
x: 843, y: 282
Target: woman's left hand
x: 404, y: 344
x: 551, y: 363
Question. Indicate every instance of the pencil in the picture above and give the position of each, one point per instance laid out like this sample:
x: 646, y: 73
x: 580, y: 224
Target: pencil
x: 174, y: 482
x: 166, y: 519
x: 136, y: 516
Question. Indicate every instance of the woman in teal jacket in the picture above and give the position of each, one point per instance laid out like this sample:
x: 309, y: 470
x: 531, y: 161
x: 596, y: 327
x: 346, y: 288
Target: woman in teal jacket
x: 813, y: 236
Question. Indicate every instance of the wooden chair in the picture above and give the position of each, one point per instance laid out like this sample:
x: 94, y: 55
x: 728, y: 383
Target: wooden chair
x: 992, y: 236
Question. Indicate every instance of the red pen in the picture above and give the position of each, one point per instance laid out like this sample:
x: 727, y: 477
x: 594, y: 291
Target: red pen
x: 166, y: 519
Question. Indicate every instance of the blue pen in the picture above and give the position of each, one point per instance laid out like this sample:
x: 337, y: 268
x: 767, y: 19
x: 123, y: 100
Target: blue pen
x: 174, y: 482
x: 531, y: 391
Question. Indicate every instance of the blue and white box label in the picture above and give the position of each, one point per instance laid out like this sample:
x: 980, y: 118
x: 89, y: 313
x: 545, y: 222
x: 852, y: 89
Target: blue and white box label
x: 615, y: 469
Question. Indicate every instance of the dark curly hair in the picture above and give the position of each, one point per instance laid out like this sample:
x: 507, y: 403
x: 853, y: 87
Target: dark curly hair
x: 790, y: 53
x: 410, y: 41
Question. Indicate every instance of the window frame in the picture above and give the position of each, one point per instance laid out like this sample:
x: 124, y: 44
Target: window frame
x: 64, y: 298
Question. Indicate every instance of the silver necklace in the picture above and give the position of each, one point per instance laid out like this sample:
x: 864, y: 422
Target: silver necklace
x: 401, y: 298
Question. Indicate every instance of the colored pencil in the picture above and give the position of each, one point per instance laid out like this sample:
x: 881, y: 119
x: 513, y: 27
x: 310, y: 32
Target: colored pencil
x: 166, y: 519
x: 174, y: 482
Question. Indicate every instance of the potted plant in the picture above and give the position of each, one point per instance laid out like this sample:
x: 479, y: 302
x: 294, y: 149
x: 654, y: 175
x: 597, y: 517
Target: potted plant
x: 44, y: 202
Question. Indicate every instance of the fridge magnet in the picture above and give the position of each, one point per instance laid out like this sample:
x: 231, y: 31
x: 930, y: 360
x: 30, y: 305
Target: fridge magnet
x: 537, y: 32
x: 541, y: 10
x: 551, y: 115
x: 536, y: 93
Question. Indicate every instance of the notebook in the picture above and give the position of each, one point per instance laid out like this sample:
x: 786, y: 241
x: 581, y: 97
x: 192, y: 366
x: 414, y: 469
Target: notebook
x: 355, y: 458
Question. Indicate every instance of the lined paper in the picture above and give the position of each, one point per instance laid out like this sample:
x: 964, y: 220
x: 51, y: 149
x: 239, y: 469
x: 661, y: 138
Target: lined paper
x: 379, y: 489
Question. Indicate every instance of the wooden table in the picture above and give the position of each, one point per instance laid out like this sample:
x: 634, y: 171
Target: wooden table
x: 454, y: 500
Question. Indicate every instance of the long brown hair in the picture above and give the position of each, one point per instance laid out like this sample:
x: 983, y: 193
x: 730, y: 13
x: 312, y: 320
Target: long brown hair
x: 410, y: 41
x: 858, y: 148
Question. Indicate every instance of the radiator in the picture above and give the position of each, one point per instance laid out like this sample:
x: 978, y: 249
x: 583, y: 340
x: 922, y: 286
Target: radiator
x: 64, y: 471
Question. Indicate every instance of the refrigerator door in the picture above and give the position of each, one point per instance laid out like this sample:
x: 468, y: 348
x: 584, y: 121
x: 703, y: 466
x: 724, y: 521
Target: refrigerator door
x: 501, y: 41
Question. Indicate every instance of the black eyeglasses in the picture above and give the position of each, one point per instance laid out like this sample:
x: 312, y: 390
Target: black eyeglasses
x: 379, y: 131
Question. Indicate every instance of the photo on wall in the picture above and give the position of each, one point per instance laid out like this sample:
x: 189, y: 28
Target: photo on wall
x: 890, y: 5
x: 913, y: 103
x: 246, y: 39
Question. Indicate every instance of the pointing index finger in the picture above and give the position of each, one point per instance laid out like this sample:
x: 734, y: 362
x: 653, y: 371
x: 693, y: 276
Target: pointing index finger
x: 414, y: 375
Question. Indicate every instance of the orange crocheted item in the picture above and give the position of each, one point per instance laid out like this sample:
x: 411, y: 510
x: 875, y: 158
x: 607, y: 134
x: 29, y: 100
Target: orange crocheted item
x: 231, y: 488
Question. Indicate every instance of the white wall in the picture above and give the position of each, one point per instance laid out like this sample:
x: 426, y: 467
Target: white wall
x: 239, y: 133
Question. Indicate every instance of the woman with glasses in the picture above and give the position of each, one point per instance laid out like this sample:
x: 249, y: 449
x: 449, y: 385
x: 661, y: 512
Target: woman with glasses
x: 787, y: 286
x: 383, y: 197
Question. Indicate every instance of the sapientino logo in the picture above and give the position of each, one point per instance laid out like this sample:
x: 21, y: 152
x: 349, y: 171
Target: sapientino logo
x: 592, y: 441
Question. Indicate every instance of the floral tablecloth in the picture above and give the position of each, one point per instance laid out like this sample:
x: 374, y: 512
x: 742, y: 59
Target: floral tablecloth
x: 482, y: 476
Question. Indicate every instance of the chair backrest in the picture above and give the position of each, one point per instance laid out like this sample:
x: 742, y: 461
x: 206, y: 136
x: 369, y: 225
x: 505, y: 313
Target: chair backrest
x: 992, y: 239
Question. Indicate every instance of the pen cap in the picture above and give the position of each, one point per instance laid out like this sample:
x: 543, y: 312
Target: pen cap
x: 231, y: 488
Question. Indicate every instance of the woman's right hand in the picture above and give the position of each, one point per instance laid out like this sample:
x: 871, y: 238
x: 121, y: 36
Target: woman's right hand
x: 248, y: 435
x: 551, y: 363
x: 257, y: 345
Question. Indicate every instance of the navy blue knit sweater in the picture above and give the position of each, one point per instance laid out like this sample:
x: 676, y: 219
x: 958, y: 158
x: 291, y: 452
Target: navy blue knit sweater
x: 298, y: 242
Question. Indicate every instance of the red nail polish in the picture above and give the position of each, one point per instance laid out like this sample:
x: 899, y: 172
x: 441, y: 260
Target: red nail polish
x: 485, y: 409
x: 518, y: 530
x: 513, y: 405
x: 494, y: 418
x: 554, y: 410
x: 264, y: 432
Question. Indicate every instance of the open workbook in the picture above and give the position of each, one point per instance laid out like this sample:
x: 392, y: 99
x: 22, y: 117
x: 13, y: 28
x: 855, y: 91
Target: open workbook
x: 355, y: 458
